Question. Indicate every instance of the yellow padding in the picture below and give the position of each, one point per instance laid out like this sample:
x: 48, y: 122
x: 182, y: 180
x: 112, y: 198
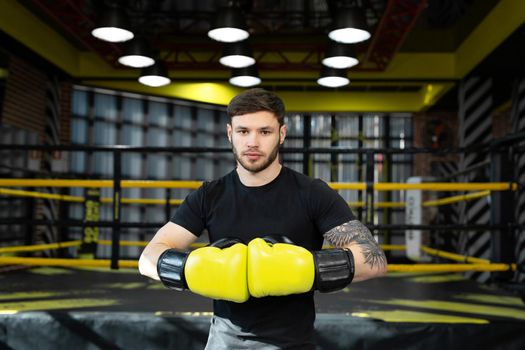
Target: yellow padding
x: 449, y: 267
x: 455, y: 199
x: 452, y: 256
x: 65, y: 262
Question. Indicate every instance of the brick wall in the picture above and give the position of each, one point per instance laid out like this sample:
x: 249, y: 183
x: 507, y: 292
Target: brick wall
x: 501, y: 126
x: 66, y: 91
x: 442, y: 125
x: 25, y: 100
x: 501, y: 122
x: 25, y: 97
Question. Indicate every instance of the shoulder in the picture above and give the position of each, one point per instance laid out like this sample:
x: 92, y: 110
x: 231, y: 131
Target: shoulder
x: 208, y: 193
x: 309, y: 184
x: 217, y: 186
x: 301, y: 180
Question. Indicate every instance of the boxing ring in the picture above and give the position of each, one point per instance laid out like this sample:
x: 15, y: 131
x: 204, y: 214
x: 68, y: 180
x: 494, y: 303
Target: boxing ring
x: 70, y: 299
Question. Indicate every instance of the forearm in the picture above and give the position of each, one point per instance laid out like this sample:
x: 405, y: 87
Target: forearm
x: 370, y: 260
x: 168, y: 236
x: 148, y: 259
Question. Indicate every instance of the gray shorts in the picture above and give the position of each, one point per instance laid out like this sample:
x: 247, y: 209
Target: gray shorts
x: 228, y: 336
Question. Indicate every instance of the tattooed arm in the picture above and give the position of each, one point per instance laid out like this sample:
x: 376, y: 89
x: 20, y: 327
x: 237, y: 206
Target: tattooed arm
x: 370, y: 261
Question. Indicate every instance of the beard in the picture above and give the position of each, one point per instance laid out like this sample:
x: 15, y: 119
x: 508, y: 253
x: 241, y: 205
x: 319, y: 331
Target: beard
x: 260, y: 164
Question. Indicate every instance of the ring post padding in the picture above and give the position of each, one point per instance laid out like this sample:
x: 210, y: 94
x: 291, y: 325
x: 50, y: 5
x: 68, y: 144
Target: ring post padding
x: 416, y: 214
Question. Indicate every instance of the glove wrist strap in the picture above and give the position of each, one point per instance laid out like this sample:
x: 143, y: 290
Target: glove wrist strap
x: 334, y: 269
x: 170, y: 268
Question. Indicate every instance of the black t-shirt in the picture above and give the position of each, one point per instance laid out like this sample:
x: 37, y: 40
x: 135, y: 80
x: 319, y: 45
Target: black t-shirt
x: 294, y: 205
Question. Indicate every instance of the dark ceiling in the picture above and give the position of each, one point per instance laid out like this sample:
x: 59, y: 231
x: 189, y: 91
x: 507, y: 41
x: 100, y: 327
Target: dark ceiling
x: 278, y: 28
x: 289, y: 39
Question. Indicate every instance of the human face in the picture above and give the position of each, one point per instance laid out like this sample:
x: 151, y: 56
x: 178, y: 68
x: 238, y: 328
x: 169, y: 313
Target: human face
x: 255, y: 139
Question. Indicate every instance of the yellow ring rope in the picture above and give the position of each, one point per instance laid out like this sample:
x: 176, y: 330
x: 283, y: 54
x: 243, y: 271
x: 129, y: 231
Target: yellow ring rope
x: 449, y: 267
x: 479, y: 264
x: 134, y: 264
x: 98, y: 183
x: 445, y: 186
x: 34, y: 194
x: 455, y: 199
x: 67, y: 198
x: 39, y: 247
x: 65, y: 262
x: 452, y: 256
x: 381, y: 186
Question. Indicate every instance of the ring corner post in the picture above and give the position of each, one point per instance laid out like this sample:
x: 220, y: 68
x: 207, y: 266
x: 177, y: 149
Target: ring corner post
x: 501, y: 214
x: 115, y: 241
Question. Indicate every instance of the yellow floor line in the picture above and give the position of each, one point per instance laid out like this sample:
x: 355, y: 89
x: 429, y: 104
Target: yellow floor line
x: 416, y: 317
x: 9, y: 308
x: 491, y: 299
x: 468, y: 308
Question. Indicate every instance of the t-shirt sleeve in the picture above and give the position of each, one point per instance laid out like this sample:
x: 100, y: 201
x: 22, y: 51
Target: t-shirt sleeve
x: 328, y: 208
x: 191, y: 214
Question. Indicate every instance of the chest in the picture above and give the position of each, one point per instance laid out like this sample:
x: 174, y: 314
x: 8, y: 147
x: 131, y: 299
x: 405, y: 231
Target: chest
x: 249, y: 215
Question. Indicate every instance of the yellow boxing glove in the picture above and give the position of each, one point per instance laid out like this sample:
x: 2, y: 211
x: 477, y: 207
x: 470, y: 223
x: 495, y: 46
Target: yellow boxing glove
x: 217, y: 271
x: 276, y: 269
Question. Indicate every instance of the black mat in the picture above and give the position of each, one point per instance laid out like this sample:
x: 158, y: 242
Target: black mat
x: 99, y: 308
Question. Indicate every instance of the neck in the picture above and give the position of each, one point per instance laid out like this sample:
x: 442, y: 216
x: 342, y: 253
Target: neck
x: 260, y: 178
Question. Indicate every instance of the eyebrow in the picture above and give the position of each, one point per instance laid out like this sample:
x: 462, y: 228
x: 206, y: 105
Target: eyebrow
x: 240, y: 127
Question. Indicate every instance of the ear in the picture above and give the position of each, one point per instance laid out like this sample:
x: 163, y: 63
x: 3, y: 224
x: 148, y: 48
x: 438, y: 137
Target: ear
x: 229, y: 132
x: 282, y: 133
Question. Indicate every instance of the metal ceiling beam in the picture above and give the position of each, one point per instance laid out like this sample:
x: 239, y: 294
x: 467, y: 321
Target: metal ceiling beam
x: 293, y: 52
x: 70, y: 17
x: 395, y: 24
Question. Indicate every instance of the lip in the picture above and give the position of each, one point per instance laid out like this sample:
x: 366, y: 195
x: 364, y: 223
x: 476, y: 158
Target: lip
x: 253, y: 156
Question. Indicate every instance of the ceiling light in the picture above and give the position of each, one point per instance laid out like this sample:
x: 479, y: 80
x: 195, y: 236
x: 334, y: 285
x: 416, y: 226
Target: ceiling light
x: 340, y: 56
x: 113, y: 26
x: 350, y: 26
x: 245, y: 77
x: 333, y: 78
x: 229, y: 26
x: 155, y: 76
x: 237, y: 55
x: 137, y: 54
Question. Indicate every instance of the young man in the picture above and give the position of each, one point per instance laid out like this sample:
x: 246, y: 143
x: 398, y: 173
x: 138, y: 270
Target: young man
x: 262, y: 289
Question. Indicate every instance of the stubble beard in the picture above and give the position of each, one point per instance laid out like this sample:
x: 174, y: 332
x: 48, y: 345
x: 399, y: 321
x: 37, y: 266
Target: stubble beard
x: 254, y: 167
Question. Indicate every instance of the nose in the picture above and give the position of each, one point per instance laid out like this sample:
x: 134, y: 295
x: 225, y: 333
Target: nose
x: 252, y: 140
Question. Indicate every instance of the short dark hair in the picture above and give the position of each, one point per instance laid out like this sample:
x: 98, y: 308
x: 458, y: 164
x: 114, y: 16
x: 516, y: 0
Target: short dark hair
x: 256, y: 100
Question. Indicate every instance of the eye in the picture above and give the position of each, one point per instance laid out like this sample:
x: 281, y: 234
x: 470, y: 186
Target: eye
x: 242, y: 132
x: 266, y: 132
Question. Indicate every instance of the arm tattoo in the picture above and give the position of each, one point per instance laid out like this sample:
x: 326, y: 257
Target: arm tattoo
x: 355, y: 232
